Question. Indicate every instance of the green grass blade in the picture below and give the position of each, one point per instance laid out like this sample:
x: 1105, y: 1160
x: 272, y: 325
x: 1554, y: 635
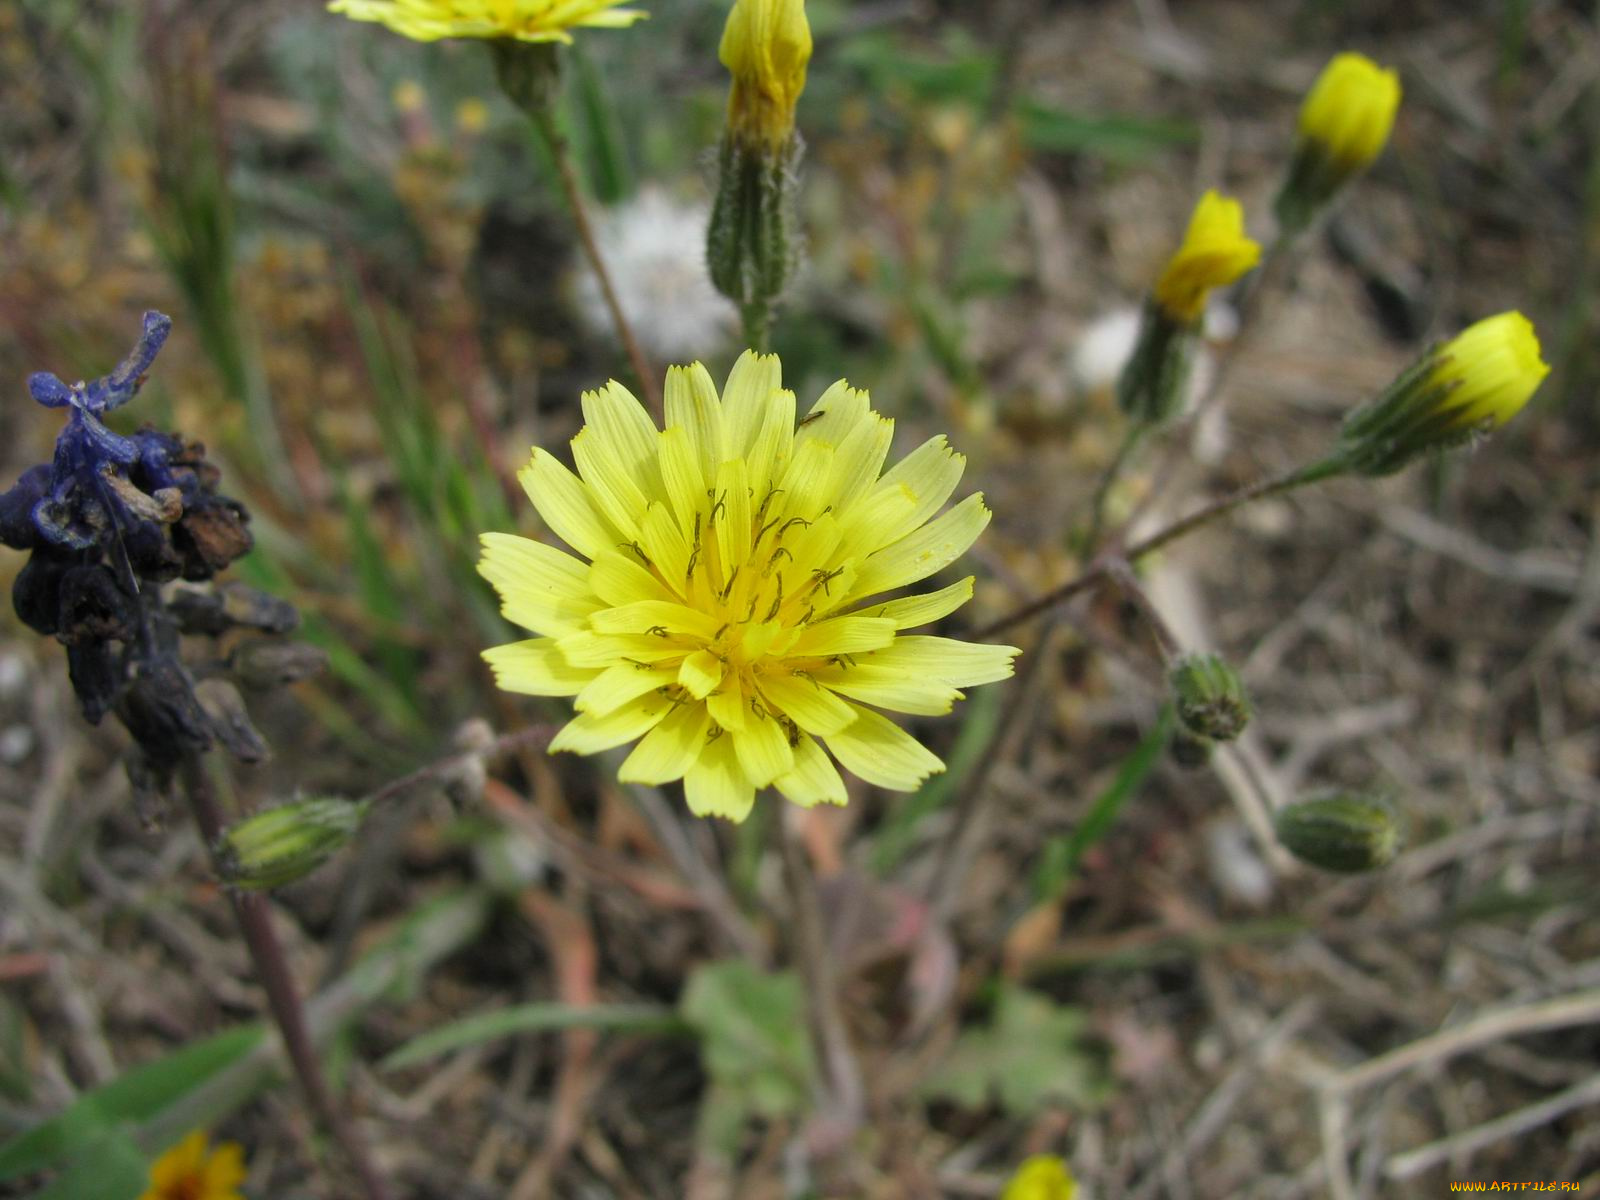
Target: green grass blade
x: 535, y: 1018
x: 1063, y: 853
x: 134, y: 1095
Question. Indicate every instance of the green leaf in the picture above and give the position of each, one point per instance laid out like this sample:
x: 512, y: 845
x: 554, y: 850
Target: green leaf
x: 534, y: 1018
x: 1063, y: 853
x: 1034, y: 1054
x: 110, y: 1167
x: 132, y: 1096
x: 752, y: 1029
x: 1114, y: 137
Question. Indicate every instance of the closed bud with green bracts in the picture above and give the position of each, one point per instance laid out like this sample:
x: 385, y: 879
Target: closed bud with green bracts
x: 753, y: 239
x: 1341, y: 831
x: 1209, y: 697
x: 287, y: 843
x: 1155, y: 379
x: 1457, y: 391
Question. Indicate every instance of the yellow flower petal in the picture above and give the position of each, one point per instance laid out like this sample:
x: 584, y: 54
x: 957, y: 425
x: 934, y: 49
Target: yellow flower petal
x: 814, y: 779
x: 960, y: 664
x: 878, y: 750
x: 615, y: 686
x: 565, y: 505
x: 893, y: 688
x: 589, y: 733
x: 692, y: 405
x: 536, y: 668
x: 930, y: 549
x: 523, y: 20
x: 715, y: 785
x: 1215, y: 252
x: 910, y: 611
x: 669, y: 749
x: 763, y: 750
x: 700, y: 674
x: 807, y: 703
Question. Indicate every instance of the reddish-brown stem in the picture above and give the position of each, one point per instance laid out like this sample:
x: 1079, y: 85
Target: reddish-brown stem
x: 544, y: 120
x: 272, y: 966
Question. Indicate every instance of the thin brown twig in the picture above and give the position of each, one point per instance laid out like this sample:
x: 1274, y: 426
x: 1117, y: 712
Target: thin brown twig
x: 272, y: 966
x: 545, y: 122
x: 843, y: 1102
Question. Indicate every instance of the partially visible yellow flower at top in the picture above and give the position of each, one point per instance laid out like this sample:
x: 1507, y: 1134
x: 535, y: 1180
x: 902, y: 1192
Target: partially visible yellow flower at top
x: 521, y: 20
x: 766, y: 46
x: 1042, y: 1177
x: 1215, y: 251
x: 1350, y: 110
x: 189, y: 1171
x: 723, y: 608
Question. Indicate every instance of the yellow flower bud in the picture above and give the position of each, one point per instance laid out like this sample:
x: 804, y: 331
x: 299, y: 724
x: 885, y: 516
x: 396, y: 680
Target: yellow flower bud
x: 1491, y: 370
x: 1042, y: 1177
x: 1472, y: 384
x: 766, y: 46
x: 1350, y: 110
x: 1344, y: 125
x: 1215, y: 252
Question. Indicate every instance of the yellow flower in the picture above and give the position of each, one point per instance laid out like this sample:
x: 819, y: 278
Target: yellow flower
x: 1042, y: 1177
x: 722, y: 613
x: 1491, y: 370
x: 188, y: 1172
x: 1215, y: 252
x: 766, y: 45
x: 1471, y: 384
x: 1350, y: 110
x: 521, y: 20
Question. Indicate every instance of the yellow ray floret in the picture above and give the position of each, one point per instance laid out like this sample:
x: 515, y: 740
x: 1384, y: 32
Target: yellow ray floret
x: 521, y: 20
x: 1215, y: 252
x: 720, y: 605
x: 189, y: 1171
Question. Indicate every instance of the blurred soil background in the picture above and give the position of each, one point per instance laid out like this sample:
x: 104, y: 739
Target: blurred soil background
x: 379, y: 307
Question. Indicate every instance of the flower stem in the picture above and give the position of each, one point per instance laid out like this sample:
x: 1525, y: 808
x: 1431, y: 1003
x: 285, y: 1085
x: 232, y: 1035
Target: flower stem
x: 756, y: 320
x: 1103, y: 566
x: 255, y: 921
x: 545, y: 122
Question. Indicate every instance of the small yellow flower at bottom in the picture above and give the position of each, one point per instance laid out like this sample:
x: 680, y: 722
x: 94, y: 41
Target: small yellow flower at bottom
x: 1215, y: 252
x: 723, y: 610
x: 1042, y: 1177
x: 189, y: 1172
x: 519, y: 20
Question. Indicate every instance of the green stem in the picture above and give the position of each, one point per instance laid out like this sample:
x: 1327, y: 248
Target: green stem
x: 756, y: 319
x: 1103, y: 567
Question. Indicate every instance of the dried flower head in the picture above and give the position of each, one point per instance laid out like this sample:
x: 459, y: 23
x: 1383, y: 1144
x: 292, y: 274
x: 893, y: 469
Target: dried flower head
x: 518, y: 20
x: 192, y: 1171
x: 723, y: 611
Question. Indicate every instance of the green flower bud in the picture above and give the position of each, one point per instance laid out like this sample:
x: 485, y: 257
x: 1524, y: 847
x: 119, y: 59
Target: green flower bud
x: 1154, y: 380
x: 1209, y: 697
x: 1341, y: 831
x: 753, y: 240
x: 287, y: 843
